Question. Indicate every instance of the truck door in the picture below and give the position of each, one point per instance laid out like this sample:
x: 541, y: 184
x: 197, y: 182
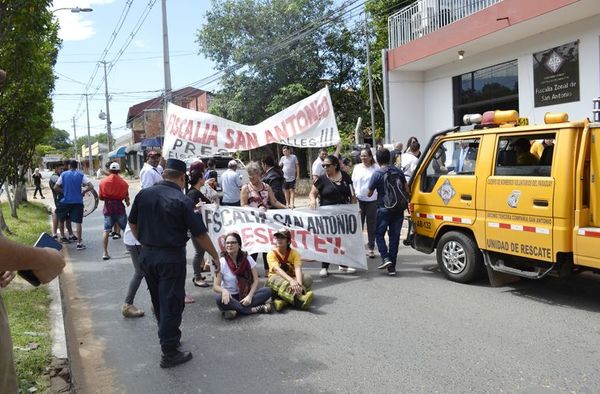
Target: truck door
x: 587, y: 230
x: 447, y: 186
x: 519, y: 196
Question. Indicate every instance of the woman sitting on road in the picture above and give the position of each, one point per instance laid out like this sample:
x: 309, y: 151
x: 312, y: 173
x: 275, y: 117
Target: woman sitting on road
x: 237, y: 282
x: 289, y: 284
x: 332, y: 188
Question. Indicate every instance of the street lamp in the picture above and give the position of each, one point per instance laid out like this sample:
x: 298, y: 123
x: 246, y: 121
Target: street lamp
x: 75, y: 10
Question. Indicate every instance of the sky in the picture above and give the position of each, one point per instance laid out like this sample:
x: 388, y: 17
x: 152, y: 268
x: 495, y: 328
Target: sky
x: 140, y: 67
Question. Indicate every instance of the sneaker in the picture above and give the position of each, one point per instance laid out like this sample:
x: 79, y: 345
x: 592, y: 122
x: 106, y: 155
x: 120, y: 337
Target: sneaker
x: 264, y: 308
x: 80, y: 246
x: 55, y: 236
x: 105, y: 257
x: 172, y: 360
x: 116, y: 236
x: 111, y: 234
x: 229, y: 315
x: 72, y: 238
x: 65, y: 240
x: 129, y: 310
x: 391, y: 273
x: 279, y: 304
x: 347, y: 270
x: 323, y: 273
x: 306, y: 299
x: 386, y: 263
x: 371, y: 254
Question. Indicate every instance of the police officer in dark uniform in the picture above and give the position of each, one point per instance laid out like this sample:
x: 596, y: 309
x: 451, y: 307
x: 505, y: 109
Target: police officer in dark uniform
x: 160, y: 218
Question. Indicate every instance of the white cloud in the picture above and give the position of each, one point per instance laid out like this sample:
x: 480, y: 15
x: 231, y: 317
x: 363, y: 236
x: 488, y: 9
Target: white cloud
x: 76, y: 26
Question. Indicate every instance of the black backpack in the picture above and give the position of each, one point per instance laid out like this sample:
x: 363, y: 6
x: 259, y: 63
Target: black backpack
x: 395, y: 198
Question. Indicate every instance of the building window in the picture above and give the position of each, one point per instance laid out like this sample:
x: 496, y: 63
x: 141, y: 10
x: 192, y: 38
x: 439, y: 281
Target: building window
x: 488, y: 89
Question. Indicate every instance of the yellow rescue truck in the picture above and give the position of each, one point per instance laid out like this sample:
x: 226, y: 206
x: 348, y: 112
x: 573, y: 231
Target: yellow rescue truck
x: 517, y: 200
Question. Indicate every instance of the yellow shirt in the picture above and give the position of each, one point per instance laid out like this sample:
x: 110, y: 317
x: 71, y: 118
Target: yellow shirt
x: 293, y: 262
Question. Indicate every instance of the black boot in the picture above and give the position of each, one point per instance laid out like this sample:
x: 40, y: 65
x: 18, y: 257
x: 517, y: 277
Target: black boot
x: 173, y: 357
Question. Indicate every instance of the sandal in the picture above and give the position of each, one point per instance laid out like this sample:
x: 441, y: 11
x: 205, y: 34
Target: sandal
x: 199, y: 282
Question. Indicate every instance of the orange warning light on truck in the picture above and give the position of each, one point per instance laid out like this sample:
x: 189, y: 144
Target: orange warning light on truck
x: 519, y: 200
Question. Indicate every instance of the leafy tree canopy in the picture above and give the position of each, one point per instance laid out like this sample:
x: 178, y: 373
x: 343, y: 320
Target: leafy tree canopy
x: 28, y: 50
x: 274, y: 53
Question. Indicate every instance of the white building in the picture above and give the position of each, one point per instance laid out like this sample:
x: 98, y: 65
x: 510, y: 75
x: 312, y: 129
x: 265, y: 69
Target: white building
x: 535, y: 56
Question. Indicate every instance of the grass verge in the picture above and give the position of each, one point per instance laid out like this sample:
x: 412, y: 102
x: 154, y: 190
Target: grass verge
x: 28, y: 307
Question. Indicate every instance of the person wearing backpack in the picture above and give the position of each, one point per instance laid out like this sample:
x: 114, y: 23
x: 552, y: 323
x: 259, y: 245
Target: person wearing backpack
x: 392, y: 199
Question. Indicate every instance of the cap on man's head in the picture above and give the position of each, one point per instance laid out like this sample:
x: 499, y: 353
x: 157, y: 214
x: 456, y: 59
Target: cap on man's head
x: 283, y: 233
x: 153, y: 153
x: 232, y: 164
x: 197, y: 166
x: 176, y: 164
x: 114, y: 167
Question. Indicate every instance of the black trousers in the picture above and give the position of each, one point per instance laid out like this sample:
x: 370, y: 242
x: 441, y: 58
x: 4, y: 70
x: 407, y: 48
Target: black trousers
x: 165, y: 272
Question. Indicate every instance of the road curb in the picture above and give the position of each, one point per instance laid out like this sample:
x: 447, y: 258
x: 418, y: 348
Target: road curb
x: 59, y: 338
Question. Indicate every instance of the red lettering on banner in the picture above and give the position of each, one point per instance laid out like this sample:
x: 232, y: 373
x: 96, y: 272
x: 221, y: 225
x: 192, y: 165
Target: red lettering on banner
x: 281, y: 132
x: 269, y: 137
x: 261, y: 235
x: 302, y: 120
x: 197, y: 136
x: 170, y: 123
x: 240, y: 142
x: 248, y: 237
x: 187, y: 134
x: 318, y: 242
x: 251, y: 141
x: 311, y: 112
x: 211, y: 135
x: 229, y: 138
x: 323, y: 108
x: 290, y: 121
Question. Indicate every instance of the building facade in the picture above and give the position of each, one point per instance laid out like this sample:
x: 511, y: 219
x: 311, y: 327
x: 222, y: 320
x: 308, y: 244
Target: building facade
x: 448, y: 58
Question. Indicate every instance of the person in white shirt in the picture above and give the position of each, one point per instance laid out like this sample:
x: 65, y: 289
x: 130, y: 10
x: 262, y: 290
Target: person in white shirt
x: 410, y: 159
x: 317, y: 166
x: 150, y: 174
x: 231, y: 182
x: 361, y: 176
x: 291, y: 172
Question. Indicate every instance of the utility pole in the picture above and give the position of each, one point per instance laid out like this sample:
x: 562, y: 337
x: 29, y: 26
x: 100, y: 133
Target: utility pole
x: 107, y: 109
x: 167, y: 65
x: 75, y: 138
x: 89, y: 139
x: 370, y: 79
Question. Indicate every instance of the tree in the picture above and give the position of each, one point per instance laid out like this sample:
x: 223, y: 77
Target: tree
x: 379, y: 11
x: 274, y: 53
x: 101, y: 138
x: 28, y: 49
x: 58, y: 139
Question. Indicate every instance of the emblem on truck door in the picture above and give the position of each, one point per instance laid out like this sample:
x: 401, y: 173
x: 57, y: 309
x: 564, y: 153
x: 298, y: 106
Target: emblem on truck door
x: 513, y: 199
x: 446, y: 192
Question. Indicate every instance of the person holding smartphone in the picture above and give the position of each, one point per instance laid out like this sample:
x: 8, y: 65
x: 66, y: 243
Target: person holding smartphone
x: 46, y: 264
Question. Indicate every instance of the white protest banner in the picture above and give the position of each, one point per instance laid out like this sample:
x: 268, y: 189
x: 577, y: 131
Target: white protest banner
x: 308, y: 123
x: 331, y: 234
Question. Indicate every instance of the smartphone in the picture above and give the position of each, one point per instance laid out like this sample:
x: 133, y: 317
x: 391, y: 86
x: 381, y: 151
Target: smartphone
x: 44, y: 241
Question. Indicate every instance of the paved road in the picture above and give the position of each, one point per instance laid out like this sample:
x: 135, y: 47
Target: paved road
x: 366, y: 333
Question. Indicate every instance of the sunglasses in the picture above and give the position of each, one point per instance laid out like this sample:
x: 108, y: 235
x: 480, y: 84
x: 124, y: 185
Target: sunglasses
x: 326, y: 165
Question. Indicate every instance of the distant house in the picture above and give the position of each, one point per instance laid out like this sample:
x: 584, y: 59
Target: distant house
x: 145, y: 119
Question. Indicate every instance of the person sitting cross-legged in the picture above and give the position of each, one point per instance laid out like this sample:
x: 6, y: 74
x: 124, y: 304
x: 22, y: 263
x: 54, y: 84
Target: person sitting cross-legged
x: 289, y: 284
x: 237, y: 282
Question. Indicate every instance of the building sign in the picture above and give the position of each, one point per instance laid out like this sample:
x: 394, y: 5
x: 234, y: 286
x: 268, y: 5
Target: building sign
x: 556, y: 75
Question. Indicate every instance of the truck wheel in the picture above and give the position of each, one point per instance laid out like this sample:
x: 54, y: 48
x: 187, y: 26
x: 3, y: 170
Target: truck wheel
x: 458, y: 257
